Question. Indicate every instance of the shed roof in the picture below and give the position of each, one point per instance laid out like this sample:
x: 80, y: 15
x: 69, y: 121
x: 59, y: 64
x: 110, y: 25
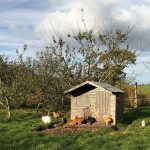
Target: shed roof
x: 98, y: 85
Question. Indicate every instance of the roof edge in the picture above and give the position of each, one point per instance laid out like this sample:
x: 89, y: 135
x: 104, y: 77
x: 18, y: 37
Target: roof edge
x: 87, y: 82
x: 80, y: 85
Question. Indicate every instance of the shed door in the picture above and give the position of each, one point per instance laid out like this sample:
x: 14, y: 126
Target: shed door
x: 103, y: 103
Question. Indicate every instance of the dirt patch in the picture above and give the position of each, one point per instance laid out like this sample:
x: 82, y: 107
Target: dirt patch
x: 76, y: 128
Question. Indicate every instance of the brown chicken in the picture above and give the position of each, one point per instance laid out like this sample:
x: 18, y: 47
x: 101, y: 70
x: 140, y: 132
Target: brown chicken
x: 56, y: 114
x: 107, y: 119
x: 76, y: 121
x: 71, y: 122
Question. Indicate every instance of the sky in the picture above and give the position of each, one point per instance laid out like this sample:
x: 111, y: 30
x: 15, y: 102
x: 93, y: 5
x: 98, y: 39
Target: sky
x: 33, y: 22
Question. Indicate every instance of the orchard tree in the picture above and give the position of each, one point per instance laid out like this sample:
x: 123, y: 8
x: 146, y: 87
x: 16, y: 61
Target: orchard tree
x: 103, y: 57
x: 116, y: 57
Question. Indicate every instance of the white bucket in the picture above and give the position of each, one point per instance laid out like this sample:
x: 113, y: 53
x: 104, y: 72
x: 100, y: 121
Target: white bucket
x: 143, y: 123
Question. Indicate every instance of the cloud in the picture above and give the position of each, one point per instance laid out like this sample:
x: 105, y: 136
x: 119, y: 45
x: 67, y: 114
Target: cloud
x: 9, y: 5
x: 17, y: 25
x: 69, y: 13
x: 33, y: 21
x: 100, y: 13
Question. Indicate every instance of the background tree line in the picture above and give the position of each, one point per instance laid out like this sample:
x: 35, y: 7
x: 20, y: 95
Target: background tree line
x: 88, y: 55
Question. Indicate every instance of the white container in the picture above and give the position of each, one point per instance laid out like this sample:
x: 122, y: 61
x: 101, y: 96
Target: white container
x: 143, y: 123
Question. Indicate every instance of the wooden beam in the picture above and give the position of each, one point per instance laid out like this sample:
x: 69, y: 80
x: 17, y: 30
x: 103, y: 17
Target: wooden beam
x: 135, y: 96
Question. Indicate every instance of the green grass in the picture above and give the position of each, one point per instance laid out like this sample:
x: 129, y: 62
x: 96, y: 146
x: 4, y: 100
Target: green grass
x: 16, y: 134
x: 145, y: 89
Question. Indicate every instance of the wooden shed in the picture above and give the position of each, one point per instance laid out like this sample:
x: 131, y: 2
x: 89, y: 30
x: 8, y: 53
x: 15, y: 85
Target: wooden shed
x: 99, y: 98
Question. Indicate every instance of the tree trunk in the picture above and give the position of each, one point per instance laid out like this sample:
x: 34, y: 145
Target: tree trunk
x: 62, y: 102
x: 8, y: 112
x: 48, y: 113
x: 37, y: 108
x: 8, y: 108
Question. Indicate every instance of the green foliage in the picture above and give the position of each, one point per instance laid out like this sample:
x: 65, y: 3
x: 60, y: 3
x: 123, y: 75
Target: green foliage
x: 129, y: 93
x: 115, y: 61
x: 103, y: 57
x: 144, y: 94
x: 132, y: 114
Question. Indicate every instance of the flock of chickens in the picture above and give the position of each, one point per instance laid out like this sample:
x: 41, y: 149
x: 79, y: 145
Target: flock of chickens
x: 77, y: 120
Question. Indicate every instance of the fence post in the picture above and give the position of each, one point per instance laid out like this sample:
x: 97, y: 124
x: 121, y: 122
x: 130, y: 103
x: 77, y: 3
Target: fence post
x: 135, y: 96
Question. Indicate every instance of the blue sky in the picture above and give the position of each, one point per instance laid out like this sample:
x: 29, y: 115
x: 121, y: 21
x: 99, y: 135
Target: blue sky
x: 31, y: 22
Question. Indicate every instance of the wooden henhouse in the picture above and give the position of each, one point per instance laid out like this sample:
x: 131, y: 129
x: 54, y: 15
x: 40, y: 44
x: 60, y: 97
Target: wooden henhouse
x: 97, y: 99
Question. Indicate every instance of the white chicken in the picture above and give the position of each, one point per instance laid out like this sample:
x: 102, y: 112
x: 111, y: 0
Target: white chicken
x: 46, y: 119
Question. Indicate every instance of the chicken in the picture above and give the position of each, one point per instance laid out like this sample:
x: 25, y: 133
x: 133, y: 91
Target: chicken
x: 107, y: 119
x: 90, y: 119
x: 76, y: 121
x: 56, y: 114
x: 64, y: 120
x: 46, y: 119
x: 71, y: 122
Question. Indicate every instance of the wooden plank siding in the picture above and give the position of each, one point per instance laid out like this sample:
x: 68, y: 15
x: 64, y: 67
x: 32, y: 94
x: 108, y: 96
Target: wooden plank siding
x: 103, y: 103
x: 100, y: 102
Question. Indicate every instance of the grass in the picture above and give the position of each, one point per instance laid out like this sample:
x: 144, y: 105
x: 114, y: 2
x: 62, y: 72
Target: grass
x: 145, y: 89
x: 16, y: 134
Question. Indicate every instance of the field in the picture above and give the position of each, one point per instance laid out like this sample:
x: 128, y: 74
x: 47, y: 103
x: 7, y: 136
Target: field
x: 17, y: 133
x: 145, y: 89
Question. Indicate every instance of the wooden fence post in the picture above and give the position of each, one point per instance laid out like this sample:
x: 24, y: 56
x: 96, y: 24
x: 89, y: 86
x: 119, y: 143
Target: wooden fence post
x: 136, y: 99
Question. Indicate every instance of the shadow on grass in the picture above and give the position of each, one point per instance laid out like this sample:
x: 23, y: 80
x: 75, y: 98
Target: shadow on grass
x: 132, y: 114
